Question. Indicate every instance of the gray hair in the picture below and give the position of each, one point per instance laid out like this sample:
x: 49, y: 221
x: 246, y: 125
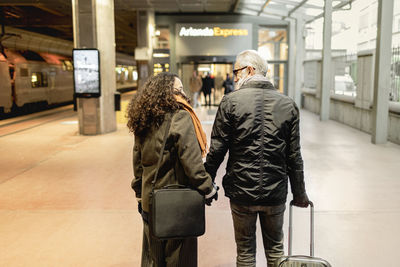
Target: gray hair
x: 253, y: 58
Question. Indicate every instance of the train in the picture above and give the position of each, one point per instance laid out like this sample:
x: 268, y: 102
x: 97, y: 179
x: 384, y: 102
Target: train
x: 29, y: 78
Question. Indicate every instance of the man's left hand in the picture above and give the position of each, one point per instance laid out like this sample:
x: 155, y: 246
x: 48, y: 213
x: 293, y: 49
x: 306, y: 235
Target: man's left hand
x: 139, y: 206
x: 301, y: 201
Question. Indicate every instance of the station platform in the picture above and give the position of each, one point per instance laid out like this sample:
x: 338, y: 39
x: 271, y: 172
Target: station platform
x: 65, y: 199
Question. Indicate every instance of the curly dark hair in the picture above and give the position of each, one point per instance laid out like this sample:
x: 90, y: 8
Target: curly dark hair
x: 150, y: 104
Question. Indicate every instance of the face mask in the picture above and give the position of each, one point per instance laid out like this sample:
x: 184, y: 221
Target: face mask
x: 241, y: 81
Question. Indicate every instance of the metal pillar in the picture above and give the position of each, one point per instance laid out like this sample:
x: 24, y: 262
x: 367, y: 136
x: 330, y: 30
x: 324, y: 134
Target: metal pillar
x: 292, y: 58
x: 383, y: 53
x: 144, y: 49
x: 300, y: 54
x: 93, y: 24
x: 277, y: 55
x: 326, y: 62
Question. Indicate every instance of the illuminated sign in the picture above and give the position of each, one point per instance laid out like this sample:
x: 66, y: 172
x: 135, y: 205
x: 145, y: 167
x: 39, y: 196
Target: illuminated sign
x: 214, y: 31
x: 217, y: 39
x: 86, y: 72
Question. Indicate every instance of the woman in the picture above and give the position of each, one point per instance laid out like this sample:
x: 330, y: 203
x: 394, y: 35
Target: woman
x: 162, y: 99
x: 195, y: 84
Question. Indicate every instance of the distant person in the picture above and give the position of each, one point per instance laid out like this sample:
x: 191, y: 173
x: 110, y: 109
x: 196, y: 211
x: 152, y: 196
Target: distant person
x: 228, y: 85
x: 259, y: 127
x: 195, y: 84
x: 218, y: 81
x: 160, y: 100
x: 208, y: 85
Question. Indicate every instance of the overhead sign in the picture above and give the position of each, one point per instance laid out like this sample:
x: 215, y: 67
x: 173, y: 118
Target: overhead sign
x: 86, y: 72
x: 213, y: 39
x: 215, y: 31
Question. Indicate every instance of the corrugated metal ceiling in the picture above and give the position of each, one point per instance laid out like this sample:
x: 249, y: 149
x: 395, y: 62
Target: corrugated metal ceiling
x: 54, y: 17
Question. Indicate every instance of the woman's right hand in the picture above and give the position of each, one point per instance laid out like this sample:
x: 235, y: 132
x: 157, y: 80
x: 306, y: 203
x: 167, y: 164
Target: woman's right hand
x: 213, y: 195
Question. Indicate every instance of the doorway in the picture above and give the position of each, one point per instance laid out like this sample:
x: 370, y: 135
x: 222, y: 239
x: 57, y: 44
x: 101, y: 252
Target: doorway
x: 217, y: 72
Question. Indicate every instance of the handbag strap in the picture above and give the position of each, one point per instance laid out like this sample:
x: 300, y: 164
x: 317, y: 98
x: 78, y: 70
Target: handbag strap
x: 169, y: 119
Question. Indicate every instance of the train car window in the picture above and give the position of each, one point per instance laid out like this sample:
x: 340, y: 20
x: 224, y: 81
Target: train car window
x: 23, y: 72
x: 37, y: 79
x: 70, y: 67
x: 67, y: 65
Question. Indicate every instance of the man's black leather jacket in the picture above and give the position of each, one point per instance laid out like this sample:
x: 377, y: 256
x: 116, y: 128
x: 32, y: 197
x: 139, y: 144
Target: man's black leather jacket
x: 260, y: 128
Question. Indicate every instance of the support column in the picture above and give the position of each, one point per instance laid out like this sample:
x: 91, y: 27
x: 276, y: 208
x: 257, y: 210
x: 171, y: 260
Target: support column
x: 300, y: 55
x: 292, y: 59
x: 144, y: 50
x: 93, y: 24
x: 380, y: 112
x: 326, y: 62
x: 277, y: 55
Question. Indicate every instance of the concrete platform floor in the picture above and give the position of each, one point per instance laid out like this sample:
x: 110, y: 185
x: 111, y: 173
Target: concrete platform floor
x: 65, y: 199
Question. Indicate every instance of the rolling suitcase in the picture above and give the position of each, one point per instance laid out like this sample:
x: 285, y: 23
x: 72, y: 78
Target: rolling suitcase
x: 299, y: 260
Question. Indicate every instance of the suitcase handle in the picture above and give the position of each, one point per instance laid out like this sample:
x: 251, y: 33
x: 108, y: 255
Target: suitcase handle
x: 311, y: 228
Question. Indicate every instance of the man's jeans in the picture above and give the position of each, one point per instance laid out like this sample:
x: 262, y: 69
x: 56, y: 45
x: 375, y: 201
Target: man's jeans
x: 196, y: 99
x: 244, y: 222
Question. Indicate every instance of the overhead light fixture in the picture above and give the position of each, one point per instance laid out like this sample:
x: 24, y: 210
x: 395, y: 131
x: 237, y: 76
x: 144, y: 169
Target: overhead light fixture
x: 160, y: 55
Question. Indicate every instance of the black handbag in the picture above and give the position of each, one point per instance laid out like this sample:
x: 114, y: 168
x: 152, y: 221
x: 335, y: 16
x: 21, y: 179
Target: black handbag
x: 176, y: 211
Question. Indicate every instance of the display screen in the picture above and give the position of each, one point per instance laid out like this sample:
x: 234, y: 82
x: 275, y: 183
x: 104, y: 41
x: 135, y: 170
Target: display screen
x: 86, y: 72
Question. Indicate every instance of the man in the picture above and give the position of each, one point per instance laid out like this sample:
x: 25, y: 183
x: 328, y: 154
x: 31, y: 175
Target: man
x: 208, y: 85
x: 260, y: 128
x: 228, y: 84
x: 195, y: 84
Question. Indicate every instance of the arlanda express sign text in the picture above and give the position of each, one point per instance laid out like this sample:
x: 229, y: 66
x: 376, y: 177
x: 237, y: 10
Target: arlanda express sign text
x: 215, y: 31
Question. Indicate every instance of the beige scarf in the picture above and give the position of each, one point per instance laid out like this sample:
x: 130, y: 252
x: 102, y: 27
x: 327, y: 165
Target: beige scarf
x: 201, y: 136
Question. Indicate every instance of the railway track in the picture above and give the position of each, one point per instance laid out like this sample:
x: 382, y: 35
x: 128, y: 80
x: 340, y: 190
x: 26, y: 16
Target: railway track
x: 23, y: 123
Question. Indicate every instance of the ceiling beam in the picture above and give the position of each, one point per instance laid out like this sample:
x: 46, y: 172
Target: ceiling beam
x: 43, y: 21
x: 263, y: 7
x: 292, y: 3
x: 270, y: 16
x: 275, y: 12
x: 296, y: 7
x: 235, y: 6
x: 178, y: 5
x: 40, y: 6
x: 335, y: 8
x: 250, y: 9
x: 204, y: 5
x: 47, y: 9
x: 124, y: 43
x: 18, y: 3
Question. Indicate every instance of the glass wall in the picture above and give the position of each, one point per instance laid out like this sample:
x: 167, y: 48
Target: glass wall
x: 354, y: 31
x: 272, y: 45
x: 344, y: 48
